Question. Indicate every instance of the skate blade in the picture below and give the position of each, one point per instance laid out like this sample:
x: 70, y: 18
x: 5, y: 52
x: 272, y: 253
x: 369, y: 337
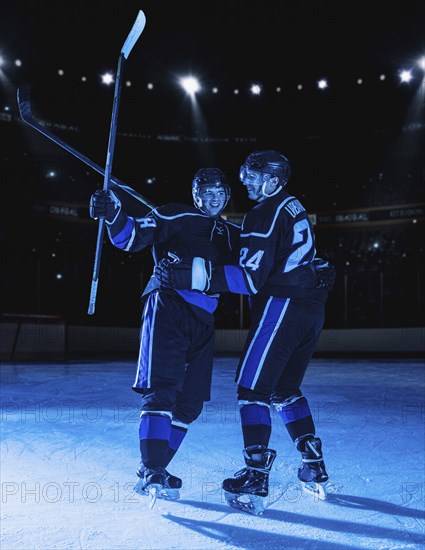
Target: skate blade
x: 164, y: 493
x: 153, y: 492
x: 317, y: 490
x: 252, y: 504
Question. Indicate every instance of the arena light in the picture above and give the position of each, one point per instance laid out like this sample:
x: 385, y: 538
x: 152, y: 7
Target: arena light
x: 190, y: 84
x: 322, y: 84
x: 421, y: 63
x: 256, y: 89
x: 405, y: 76
x: 107, y: 78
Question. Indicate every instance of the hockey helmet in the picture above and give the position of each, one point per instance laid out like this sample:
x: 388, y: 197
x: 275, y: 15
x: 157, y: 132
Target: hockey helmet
x: 267, y: 162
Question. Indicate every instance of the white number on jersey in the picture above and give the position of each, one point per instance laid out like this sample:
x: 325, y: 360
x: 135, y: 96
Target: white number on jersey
x: 253, y: 262
x: 305, y: 249
x: 146, y: 222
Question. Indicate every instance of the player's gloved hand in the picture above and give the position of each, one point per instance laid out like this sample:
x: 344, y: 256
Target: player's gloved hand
x: 105, y: 204
x: 181, y: 273
x: 325, y: 274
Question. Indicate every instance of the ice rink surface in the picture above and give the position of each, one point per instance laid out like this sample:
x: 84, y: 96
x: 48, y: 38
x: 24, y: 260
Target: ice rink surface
x: 69, y: 449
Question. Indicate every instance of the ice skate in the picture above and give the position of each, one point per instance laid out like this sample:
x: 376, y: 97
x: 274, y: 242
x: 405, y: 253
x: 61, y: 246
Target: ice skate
x: 312, y: 472
x: 157, y: 483
x: 246, y: 491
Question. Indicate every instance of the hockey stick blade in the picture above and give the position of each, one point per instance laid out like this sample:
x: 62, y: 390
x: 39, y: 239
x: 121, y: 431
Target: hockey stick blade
x: 134, y: 34
x: 25, y: 110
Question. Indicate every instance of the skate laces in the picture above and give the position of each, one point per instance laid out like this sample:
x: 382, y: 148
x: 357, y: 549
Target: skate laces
x: 251, y: 469
x: 312, y: 449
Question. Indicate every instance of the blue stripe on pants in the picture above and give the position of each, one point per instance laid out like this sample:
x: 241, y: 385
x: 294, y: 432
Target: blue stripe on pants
x: 143, y: 375
x: 256, y: 354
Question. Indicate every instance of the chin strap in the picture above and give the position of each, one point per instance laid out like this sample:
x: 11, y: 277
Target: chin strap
x: 265, y: 195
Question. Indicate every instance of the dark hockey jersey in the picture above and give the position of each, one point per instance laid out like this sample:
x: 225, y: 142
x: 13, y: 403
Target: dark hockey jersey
x: 277, y: 248
x: 184, y: 231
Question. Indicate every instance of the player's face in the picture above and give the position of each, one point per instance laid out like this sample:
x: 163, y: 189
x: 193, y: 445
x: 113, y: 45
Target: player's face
x: 214, y: 199
x: 253, y: 181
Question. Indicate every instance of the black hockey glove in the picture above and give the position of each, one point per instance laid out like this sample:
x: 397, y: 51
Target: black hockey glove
x: 105, y: 204
x: 184, y: 274
x: 325, y: 274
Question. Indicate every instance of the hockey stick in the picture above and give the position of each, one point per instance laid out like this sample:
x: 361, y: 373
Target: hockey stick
x: 132, y: 38
x: 24, y: 106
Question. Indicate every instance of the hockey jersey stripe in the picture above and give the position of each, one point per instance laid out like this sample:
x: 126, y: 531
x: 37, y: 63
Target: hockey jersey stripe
x: 235, y: 279
x: 209, y: 303
x: 179, y: 215
x: 269, y: 232
x: 121, y: 239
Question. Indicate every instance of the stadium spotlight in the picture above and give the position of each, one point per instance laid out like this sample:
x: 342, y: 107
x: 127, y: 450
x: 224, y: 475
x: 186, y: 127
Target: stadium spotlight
x: 322, y: 84
x: 107, y: 78
x: 405, y: 76
x: 256, y: 89
x: 190, y: 84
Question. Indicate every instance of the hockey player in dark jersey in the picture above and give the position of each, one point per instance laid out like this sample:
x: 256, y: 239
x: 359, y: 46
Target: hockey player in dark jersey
x: 177, y: 331
x: 288, y: 288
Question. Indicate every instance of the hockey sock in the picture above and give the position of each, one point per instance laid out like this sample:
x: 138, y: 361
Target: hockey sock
x: 256, y: 423
x: 154, y: 435
x: 178, y: 433
x: 296, y: 414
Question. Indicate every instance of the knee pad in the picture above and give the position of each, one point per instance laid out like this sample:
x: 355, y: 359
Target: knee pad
x: 284, y: 398
x: 245, y: 394
x: 188, y: 413
x: 162, y: 399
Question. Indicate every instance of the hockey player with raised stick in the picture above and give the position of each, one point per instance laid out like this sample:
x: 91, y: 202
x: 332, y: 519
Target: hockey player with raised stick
x: 288, y: 288
x: 177, y: 331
